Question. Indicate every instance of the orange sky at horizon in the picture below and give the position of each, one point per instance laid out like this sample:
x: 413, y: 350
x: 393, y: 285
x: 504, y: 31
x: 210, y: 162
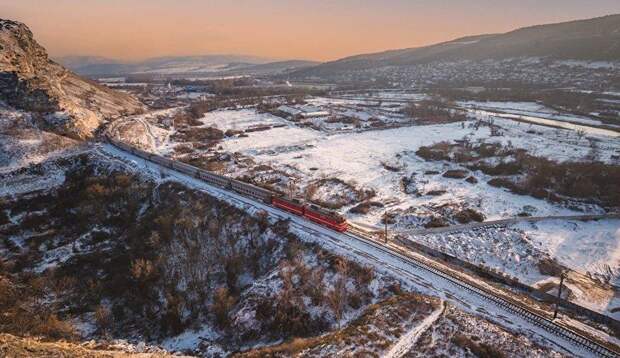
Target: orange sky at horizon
x: 304, y: 29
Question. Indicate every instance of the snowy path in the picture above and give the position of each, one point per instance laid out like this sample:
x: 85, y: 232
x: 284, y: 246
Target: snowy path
x: 414, y: 275
x: 408, y: 341
x: 511, y: 221
x: 548, y: 122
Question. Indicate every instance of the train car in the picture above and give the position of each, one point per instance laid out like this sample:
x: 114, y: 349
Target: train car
x: 142, y: 153
x: 294, y: 206
x: 185, y: 168
x: 252, y: 191
x: 311, y: 212
x: 215, y: 179
x: 161, y: 160
x: 326, y: 218
x: 121, y: 145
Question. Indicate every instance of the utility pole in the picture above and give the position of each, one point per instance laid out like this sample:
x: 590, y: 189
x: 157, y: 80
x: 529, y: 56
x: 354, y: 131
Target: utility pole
x: 385, y: 221
x: 557, y: 303
x: 291, y: 188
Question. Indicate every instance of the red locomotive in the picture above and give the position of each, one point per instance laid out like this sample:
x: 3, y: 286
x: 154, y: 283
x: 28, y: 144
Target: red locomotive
x: 314, y: 213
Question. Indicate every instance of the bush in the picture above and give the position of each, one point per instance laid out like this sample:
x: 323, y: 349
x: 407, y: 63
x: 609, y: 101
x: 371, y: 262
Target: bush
x: 456, y: 174
x: 549, y: 267
x: 472, y: 180
x: 432, y: 154
x: 481, y: 350
x: 436, y: 192
x: 468, y: 215
x: 436, y: 221
x: 503, y: 168
x: 365, y: 207
x: 103, y: 317
x: 223, y: 302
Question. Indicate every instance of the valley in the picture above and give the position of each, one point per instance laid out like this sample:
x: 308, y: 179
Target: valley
x: 476, y: 182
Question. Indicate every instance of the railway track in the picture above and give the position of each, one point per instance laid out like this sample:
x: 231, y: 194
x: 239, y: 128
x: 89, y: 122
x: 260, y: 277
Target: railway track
x: 359, y: 234
x: 519, y: 310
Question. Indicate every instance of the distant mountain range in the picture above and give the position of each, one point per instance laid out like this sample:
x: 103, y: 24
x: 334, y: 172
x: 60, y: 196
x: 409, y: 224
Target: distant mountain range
x: 181, y: 65
x: 595, y: 39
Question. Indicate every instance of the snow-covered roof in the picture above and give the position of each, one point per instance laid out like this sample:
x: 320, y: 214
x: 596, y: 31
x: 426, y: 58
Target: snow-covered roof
x: 290, y: 110
x: 305, y: 111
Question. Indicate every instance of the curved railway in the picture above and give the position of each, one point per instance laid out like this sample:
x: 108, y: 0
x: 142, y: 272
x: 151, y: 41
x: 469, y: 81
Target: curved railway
x: 356, y: 233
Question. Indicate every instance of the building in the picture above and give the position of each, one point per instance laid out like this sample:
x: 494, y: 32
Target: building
x: 302, y: 111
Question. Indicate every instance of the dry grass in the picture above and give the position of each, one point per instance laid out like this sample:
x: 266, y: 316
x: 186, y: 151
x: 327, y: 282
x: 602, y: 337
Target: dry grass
x: 15, y: 347
x: 374, y: 331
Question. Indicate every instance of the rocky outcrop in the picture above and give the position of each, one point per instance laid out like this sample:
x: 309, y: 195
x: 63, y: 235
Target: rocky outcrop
x: 67, y: 103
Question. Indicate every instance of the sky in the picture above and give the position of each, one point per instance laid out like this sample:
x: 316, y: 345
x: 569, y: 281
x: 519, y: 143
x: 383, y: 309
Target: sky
x: 278, y: 29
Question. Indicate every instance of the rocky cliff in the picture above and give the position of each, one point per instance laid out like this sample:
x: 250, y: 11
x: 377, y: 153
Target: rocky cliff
x: 67, y: 103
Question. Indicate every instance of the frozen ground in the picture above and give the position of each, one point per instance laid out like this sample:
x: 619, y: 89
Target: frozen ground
x: 591, y: 246
x: 240, y: 119
x: 359, y: 157
x: 380, y: 159
x: 366, y: 254
x: 22, y: 144
x: 530, y: 109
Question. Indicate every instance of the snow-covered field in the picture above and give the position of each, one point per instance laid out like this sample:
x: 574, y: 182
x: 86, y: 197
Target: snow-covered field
x: 379, y: 160
x: 344, y: 245
x: 240, y: 119
x: 592, y: 246
x: 530, y: 109
x: 360, y: 156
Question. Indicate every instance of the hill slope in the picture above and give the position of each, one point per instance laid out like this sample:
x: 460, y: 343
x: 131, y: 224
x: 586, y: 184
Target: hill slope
x: 67, y: 103
x: 595, y: 39
x: 179, y: 65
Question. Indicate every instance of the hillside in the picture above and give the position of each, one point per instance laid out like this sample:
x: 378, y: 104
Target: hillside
x: 179, y: 65
x: 13, y: 346
x: 64, y: 102
x: 595, y: 39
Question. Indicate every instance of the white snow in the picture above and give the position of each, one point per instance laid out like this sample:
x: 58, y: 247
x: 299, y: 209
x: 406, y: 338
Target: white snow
x: 358, y: 157
x: 588, y: 64
x: 531, y: 109
x: 190, y: 339
x: 591, y: 246
x: 26, y: 183
x: 240, y: 119
x: 408, y: 341
x: 342, y: 244
x: 551, y: 122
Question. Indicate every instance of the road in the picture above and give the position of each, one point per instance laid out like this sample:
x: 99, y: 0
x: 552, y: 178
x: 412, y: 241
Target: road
x: 503, y: 222
x: 412, y: 269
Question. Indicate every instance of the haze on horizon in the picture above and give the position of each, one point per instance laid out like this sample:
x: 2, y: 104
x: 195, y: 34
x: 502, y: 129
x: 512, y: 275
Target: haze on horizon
x: 317, y: 30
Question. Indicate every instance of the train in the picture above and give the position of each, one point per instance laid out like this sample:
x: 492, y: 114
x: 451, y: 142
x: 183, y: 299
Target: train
x: 319, y: 215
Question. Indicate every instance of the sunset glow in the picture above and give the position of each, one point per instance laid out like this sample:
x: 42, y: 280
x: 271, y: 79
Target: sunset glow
x: 318, y: 30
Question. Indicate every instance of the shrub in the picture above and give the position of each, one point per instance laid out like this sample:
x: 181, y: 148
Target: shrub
x: 472, y: 180
x: 436, y: 192
x: 55, y: 328
x: 223, y: 302
x: 468, y: 215
x: 456, y: 174
x: 481, y: 350
x: 432, y: 154
x: 436, y: 221
x: 549, y: 267
x: 142, y: 270
x: 103, y: 317
x: 365, y: 207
